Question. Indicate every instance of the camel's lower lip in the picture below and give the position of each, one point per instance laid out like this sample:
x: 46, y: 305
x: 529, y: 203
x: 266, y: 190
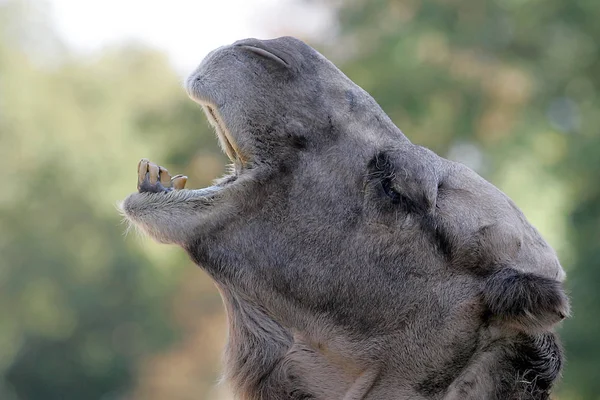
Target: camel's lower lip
x: 217, y: 186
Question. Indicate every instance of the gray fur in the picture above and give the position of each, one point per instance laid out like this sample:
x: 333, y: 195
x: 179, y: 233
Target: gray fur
x: 352, y: 263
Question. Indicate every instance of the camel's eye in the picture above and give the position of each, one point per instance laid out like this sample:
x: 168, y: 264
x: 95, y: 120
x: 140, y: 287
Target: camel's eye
x: 381, y: 170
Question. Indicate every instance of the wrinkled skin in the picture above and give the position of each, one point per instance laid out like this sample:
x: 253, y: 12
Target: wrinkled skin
x: 352, y: 263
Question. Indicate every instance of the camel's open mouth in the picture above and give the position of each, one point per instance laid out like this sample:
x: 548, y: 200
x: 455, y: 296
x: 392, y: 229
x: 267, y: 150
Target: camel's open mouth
x: 226, y: 140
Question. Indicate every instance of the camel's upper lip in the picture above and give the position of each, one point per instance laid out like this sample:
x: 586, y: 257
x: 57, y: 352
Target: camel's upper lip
x: 239, y: 158
x: 226, y: 139
x: 213, y: 104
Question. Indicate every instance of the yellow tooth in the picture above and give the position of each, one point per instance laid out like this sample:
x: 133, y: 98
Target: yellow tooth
x: 179, y: 182
x: 142, y: 169
x: 153, y: 172
x: 165, y: 178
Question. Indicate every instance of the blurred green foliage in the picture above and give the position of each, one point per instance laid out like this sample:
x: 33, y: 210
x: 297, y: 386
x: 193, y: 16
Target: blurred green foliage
x: 81, y: 305
x: 509, y: 87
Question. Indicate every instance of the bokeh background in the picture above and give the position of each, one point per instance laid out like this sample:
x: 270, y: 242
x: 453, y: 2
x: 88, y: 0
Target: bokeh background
x: 508, y: 87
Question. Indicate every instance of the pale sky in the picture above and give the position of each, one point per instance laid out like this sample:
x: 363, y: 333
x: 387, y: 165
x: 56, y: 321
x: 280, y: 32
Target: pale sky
x: 185, y: 29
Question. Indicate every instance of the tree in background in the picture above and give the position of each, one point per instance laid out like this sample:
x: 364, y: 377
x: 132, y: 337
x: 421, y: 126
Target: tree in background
x: 510, y: 88
x: 84, y: 310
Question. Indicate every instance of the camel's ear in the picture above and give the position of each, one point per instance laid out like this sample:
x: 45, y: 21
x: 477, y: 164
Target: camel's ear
x: 528, y: 302
x: 412, y: 175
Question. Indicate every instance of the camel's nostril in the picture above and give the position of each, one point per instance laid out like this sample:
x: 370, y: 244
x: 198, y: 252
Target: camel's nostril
x: 262, y: 52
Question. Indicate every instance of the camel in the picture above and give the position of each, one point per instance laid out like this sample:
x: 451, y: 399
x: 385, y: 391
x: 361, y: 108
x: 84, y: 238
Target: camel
x: 353, y: 264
